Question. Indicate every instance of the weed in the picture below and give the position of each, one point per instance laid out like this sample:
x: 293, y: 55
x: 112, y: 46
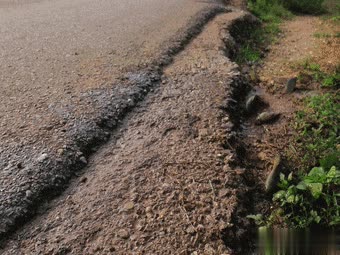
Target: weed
x: 326, y: 80
x: 305, y: 6
x: 248, y: 54
x: 271, y: 13
x: 310, y: 199
x: 307, y: 200
x: 318, y: 130
x: 322, y: 35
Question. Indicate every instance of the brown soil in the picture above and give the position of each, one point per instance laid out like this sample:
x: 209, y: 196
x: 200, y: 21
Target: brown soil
x: 168, y: 182
x: 297, y: 43
x: 164, y: 185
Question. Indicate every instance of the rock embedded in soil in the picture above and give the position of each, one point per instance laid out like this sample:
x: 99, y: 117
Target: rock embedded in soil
x: 291, y: 84
x: 129, y: 206
x: 273, y: 177
x: 266, y: 117
x: 253, y: 102
x: 42, y: 157
x: 123, y: 233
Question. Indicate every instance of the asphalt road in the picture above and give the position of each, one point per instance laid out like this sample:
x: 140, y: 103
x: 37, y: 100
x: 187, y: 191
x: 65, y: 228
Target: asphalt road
x: 69, y: 73
x: 53, y: 51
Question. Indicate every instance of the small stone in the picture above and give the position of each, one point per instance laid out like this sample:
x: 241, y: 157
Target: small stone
x: 129, y: 206
x: 83, y: 160
x: 266, y: 117
x: 123, y: 233
x: 148, y: 209
x: 273, y: 177
x: 191, y: 230
x: 262, y: 156
x: 291, y: 84
x: 28, y: 193
x: 250, y: 103
x: 60, y: 152
x: 203, y: 132
x: 42, y: 157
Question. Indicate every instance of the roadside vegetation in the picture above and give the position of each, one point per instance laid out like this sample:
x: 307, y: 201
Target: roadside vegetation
x: 310, y: 194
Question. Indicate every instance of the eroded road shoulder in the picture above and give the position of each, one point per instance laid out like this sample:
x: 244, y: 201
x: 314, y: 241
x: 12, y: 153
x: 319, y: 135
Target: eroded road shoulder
x: 164, y: 186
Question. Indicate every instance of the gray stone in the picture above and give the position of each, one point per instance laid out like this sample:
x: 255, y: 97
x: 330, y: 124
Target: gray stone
x: 42, y: 157
x: 83, y: 160
x: 266, y: 117
x: 28, y: 193
x: 123, y: 233
x: 250, y: 103
x: 291, y: 84
x: 273, y: 177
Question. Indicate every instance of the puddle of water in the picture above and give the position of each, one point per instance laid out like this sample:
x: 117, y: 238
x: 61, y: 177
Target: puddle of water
x: 292, y: 241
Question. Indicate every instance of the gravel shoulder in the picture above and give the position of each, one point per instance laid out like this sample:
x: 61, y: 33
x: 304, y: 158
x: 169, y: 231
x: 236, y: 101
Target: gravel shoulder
x: 165, y: 183
x: 49, y: 130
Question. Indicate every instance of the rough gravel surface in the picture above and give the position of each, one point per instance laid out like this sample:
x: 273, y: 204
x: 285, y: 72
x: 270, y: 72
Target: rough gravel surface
x: 165, y: 183
x: 58, y: 105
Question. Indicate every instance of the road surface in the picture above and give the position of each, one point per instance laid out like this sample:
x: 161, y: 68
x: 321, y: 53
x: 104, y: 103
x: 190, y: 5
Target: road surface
x: 53, y: 51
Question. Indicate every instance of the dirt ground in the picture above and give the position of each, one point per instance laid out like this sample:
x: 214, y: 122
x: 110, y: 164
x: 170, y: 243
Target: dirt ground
x: 297, y: 43
x: 180, y: 175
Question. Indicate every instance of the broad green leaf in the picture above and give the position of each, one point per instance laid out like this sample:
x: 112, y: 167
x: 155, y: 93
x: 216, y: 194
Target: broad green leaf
x: 290, y: 176
x: 291, y: 199
x: 316, y: 171
x: 315, y: 189
x: 282, y: 177
x: 331, y: 173
x: 279, y: 195
x: 301, y: 186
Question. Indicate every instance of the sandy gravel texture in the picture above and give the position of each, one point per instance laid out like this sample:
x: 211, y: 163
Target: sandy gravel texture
x: 52, y: 52
x: 48, y: 131
x: 163, y: 185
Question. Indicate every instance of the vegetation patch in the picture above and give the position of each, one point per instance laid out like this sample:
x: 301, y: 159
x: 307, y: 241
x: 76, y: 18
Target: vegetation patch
x: 318, y: 131
x: 271, y: 13
x: 308, y: 200
x: 309, y: 195
x: 310, y: 71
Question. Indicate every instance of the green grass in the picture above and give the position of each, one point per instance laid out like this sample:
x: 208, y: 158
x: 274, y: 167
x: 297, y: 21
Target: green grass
x: 326, y: 80
x: 318, y: 130
x: 305, y: 6
x: 322, y: 35
x: 271, y: 13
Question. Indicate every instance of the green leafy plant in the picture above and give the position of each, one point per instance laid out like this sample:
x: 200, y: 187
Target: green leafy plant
x: 310, y: 199
x: 304, y: 201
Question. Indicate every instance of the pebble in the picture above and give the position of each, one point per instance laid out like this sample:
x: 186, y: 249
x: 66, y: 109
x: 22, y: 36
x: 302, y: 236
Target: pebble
x: 266, y: 117
x: 251, y: 101
x: 60, y: 152
x: 83, y: 160
x: 272, y: 178
x: 28, y: 193
x: 129, y: 206
x: 123, y: 233
x: 42, y: 157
